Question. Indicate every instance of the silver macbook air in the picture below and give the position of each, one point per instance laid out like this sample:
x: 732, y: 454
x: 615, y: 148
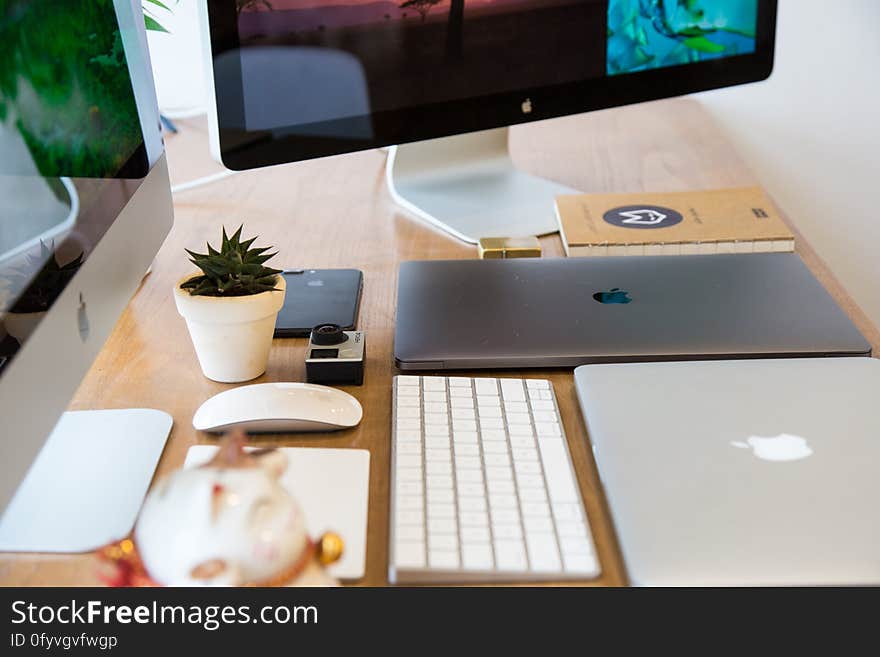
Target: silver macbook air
x: 753, y: 472
x: 564, y: 312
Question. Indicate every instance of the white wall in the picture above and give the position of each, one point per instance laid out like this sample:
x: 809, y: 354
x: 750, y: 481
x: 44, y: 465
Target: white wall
x: 812, y: 134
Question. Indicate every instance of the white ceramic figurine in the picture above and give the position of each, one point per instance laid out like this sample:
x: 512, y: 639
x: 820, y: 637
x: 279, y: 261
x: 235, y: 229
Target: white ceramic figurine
x: 227, y: 523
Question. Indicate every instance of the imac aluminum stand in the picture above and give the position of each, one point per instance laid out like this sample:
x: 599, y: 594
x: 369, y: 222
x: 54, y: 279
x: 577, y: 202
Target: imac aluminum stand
x: 86, y: 486
x: 468, y: 186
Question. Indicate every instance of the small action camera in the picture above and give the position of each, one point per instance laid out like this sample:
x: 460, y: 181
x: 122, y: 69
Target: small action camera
x: 335, y: 356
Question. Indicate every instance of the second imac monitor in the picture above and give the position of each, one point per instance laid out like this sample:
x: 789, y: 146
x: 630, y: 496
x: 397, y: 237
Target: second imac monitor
x: 297, y: 79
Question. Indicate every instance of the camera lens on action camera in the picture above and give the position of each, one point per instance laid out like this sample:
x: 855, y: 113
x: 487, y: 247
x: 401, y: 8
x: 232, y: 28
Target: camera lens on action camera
x: 325, y: 334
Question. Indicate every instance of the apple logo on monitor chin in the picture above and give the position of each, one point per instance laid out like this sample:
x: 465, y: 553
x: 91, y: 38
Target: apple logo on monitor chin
x: 614, y: 295
x: 784, y: 447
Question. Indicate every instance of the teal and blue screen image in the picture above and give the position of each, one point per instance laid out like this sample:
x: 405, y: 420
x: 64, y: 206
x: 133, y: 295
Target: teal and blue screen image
x: 647, y: 34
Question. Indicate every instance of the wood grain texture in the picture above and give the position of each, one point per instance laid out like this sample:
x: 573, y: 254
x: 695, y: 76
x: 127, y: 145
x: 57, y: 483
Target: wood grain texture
x: 336, y: 212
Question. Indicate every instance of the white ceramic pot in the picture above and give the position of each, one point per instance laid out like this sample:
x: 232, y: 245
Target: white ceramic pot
x: 232, y: 335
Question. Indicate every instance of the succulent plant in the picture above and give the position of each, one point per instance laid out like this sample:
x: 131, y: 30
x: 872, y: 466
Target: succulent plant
x: 44, y: 285
x: 236, y: 270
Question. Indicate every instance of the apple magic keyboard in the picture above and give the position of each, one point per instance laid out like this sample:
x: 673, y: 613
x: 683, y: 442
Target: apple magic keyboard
x: 483, y: 487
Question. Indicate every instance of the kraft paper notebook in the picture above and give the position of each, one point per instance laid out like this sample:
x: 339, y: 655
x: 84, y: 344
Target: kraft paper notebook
x: 741, y: 220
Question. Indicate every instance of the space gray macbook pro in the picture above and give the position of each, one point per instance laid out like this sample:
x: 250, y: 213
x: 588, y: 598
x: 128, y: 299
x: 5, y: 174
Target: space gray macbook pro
x: 564, y: 312
x: 749, y: 472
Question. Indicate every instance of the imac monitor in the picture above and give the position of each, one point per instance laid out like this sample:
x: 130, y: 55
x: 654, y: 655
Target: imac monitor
x: 298, y: 79
x: 86, y: 204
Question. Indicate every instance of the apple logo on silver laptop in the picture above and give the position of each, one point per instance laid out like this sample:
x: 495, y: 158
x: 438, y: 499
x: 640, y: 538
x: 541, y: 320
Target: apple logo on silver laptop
x: 783, y: 447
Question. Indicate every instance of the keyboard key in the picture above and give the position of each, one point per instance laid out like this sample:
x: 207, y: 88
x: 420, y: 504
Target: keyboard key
x: 469, y: 437
x: 538, y: 384
x: 466, y: 476
x: 409, y: 533
x: 489, y: 412
x: 414, y: 412
x: 441, y: 525
x: 459, y: 382
x: 463, y: 393
x: 533, y: 495
x: 468, y: 462
x: 557, y: 470
x: 575, y: 545
x: 521, y: 430
x: 473, y: 519
x: 438, y: 396
x: 498, y: 447
x: 409, y: 554
x: 501, y: 487
x: 477, y: 557
x: 471, y: 503
x: 491, y: 422
x: 566, y: 512
x: 456, y: 401
x: 409, y: 448
x: 443, y: 559
x: 438, y: 481
x: 529, y: 481
x: 527, y: 467
x: 438, y: 431
x: 409, y: 460
x: 474, y: 535
x: 512, y: 389
x: 486, y: 386
x: 535, y: 509
x: 516, y: 407
x: 518, y: 418
x: 407, y: 391
x: 493, y: 435
x: 463, y: 414
x: 506, y: 531
x: 409, y: 487
x: 549, y: 429
x: 510, y: 555
x: 434, y: 383
x: 438, y: 468
x: 537, y: 524
x: 412, y: 502
x: 571, y: 529
x: 469, y: 491
x: 409, y: 517
x: 585, y: 564
x: 543, y: 405
x: 409, y: 474
x: 543, y: 555
x: 438, y: 454
x: 442, y: 542
x: 466, y: 449
x: 441, y: 510
x: 505, y: 517
x: 501, y: 459
x: 499, y: 472
x: 441, y: 496
x: 463, y: 425
x: 525, y: 454
x: 502, y: 501
x: 406, y: 380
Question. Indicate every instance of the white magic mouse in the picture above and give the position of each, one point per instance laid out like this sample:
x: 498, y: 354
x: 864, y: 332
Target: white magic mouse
x: 279, y: 408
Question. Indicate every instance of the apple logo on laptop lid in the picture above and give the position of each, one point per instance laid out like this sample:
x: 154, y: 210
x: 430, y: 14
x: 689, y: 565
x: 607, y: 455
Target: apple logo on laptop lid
x: 784, y: 447
x: 614, y: 296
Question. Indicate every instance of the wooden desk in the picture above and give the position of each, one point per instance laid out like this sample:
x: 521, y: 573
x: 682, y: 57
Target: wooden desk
x: 336, y: 212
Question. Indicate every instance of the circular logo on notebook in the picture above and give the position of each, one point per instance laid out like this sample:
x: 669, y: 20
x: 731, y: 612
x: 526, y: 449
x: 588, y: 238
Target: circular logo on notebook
x: 643, y: 216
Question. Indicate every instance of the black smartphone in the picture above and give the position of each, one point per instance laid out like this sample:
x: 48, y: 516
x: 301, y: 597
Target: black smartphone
x: 319, y: 296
